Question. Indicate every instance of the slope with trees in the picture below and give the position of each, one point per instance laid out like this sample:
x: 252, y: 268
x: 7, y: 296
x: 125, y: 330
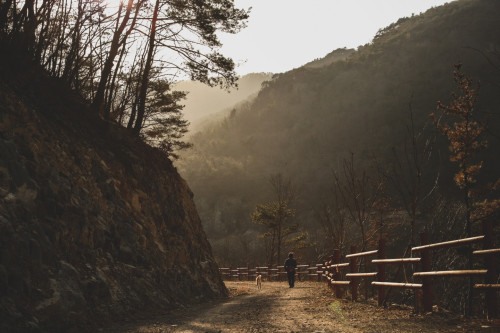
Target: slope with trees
x: 116, y: 56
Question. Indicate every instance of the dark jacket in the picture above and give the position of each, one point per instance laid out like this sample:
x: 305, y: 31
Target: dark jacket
x: 290, y: 265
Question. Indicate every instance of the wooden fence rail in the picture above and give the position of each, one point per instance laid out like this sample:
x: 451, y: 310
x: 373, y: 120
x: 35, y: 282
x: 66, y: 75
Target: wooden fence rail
x: 271, y: 273
x: 333, y: 274
x: 490, y: 275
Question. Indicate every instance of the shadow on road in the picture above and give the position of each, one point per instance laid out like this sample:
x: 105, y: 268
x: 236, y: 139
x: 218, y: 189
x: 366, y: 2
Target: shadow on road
x: 212, y: 316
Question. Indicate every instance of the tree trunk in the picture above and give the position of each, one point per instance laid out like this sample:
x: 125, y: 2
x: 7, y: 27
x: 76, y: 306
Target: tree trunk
x: 145, y: 75
x: 4, y: 11
x: 98, y: 103
x: 112, y: 89
x: 279, y: 239
x: 75, y: 44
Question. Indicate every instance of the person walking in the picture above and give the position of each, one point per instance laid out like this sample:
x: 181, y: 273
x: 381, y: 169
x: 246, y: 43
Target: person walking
x: 290, y: 267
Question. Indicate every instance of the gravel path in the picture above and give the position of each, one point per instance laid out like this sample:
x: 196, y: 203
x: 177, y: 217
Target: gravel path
x: 309, y: 307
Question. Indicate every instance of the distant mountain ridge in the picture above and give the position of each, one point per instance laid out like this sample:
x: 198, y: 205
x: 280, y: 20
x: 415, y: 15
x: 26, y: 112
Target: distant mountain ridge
x: 206, y: 105
x: 202, y: 100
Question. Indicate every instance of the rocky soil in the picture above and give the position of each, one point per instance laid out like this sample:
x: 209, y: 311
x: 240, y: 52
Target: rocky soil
x: 309, y: 307
x: 94, y: 224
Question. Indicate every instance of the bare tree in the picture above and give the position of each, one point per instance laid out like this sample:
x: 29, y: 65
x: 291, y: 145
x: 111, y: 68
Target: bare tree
x: 358, y: 195
x: 332, y: 217
x: 408, y: 169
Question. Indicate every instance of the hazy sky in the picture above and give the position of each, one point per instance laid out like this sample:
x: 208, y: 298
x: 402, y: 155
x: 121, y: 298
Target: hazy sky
x: 285, y: 34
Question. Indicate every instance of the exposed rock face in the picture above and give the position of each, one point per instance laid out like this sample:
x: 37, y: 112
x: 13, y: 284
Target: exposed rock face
x: 92, y: 223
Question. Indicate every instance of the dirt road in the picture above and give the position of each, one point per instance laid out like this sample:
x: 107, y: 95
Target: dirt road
x: 309, y: 307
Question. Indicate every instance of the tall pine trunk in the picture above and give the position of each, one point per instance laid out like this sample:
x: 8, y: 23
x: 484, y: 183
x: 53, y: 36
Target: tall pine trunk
x: 141, y: 109
x: 98, y: 103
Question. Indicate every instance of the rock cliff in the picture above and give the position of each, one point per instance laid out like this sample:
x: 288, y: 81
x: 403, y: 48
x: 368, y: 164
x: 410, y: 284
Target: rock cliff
x: 93, y: 224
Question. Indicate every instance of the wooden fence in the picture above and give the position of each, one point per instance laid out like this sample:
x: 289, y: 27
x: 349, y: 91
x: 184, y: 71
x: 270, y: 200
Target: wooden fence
x: 332, y: 271
x: 272, y: 273
x: 337, y: 280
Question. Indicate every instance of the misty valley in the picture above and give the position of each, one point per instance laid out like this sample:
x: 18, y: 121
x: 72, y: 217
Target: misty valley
x: 145, y: 186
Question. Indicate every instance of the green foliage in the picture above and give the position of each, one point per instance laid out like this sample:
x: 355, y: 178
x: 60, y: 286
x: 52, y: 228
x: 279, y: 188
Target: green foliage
x: 165, y: 126
x: 337, y: 309
x: 271, y: 213
x: 277, y: 217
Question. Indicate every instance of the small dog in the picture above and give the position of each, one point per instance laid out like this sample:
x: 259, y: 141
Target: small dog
x: 258, y: 280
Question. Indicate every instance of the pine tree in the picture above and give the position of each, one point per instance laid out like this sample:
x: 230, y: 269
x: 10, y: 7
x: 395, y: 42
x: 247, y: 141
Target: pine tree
x: 277, y: 216
x: 164, y: 125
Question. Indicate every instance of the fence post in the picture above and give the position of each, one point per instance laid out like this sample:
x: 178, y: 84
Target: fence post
x: 269, y: 277
x: 336, y: 274
x: 426, y: 267
x: 354, y: 269
x: 381, y: 272
x: 491, y: 296
x: 328, y: 271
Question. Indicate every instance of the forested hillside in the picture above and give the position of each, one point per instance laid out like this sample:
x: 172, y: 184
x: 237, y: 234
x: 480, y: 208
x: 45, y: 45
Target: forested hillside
x: 352, y: 118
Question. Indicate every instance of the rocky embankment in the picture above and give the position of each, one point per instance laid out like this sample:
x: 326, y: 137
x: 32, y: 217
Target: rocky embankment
x: 93, y: 224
